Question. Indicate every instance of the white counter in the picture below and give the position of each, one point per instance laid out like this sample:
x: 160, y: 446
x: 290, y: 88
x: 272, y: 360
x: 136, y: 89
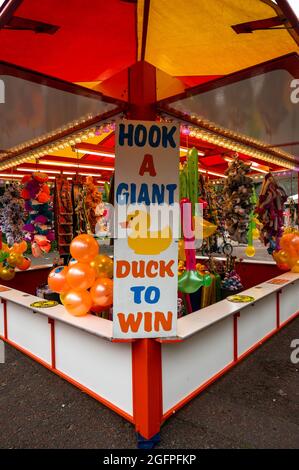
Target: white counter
x: 89, y: 323
x: 187, y: 325
x: 201, y: 319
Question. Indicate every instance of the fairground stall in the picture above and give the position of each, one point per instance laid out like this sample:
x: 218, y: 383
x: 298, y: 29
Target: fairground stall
x: 198, y: 106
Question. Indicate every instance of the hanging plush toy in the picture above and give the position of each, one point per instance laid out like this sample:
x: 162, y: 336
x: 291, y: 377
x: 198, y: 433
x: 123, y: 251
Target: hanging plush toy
x: 39, y: 225
x: 104, y: 223
x: 250, y: 250
x: 237, y: 190
x: 92, y: 199
x: 269, y: 212
x: 12, y: 214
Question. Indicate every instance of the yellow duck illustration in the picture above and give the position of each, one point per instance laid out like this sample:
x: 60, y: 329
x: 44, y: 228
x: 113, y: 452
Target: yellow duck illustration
x: 143, y: 241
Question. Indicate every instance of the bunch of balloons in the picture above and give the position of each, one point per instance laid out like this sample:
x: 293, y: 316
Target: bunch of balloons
x: 11, y: 258
x: 287, y: 257
x: 85, y: 284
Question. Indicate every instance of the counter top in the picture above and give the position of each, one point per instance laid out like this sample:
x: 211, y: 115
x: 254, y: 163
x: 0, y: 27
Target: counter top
x: 201, y: 319
x: 90, y: 323
x: 187, y: 326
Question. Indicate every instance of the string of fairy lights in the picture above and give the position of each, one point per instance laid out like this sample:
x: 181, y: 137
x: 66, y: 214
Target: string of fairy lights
x: 213, y: 134
x: 204, y: 131
x: 61, y: 144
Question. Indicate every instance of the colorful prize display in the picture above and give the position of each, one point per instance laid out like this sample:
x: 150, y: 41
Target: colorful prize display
x: 269, y: 212
x: 12, y: 214
x: 238, y: 189
x: 38, y: 228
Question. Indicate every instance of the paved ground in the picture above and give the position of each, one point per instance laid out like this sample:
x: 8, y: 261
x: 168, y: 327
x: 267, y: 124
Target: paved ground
x: 256, y: 405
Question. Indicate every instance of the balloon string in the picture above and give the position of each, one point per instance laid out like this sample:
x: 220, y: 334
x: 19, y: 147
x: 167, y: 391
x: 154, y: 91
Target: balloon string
x: 188, y: 303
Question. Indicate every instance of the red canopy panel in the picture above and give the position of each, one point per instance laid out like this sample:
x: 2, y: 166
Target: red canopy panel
x: 96, y: 39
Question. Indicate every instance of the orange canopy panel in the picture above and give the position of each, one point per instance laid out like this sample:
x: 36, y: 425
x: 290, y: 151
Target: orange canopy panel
x: 197, y: 38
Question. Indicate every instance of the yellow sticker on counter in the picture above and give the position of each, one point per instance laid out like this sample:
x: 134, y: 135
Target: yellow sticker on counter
x: 44, y: 304
x: 240, y: 298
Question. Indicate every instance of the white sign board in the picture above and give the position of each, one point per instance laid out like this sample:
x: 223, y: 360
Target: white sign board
x: 145, y: 247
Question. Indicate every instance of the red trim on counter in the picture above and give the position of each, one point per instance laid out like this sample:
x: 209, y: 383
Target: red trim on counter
x: 51, y: 322
x: 4, y: 302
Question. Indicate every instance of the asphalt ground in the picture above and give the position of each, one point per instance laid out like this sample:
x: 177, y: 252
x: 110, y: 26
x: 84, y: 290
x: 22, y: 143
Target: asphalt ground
x: 255, y: 405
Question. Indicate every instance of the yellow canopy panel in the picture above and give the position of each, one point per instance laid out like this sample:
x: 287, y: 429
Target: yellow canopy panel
x: 195, y: 37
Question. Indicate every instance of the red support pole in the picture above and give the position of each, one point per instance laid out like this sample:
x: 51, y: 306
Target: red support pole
x: 146, y: 353
x: 147, y: 387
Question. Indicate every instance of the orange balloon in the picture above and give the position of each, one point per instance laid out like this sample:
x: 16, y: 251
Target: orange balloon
x: 80, y: 276
x: 282, y: 257
x: 102, y: 292
x: 275, y: 255
x: 19, y: 247
x: 23, y: 246
x: 84, y: 248
x: 57, y: 279
x: 291, y: 260
x: 77, y: 302
x: 294, y: 244
x: 7, y: 273
x: 13, y: 259
x: 283, y: 267
x: 5, y: 248
x: 15, y: 248
x: 285, y: 241
x: 290, y: 244
x: 98, y: 309
x: 103, y: 266
x: 24, y: 264
x: 20, y: 260
x: 62, y: 296
x: 295, y: 268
